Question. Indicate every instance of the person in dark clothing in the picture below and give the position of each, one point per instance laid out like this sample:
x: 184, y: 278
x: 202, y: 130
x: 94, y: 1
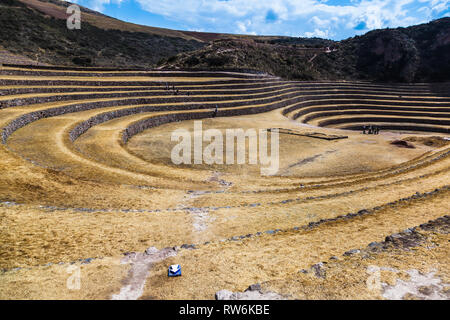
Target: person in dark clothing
x: 215, y: 112
x: 364, y: 129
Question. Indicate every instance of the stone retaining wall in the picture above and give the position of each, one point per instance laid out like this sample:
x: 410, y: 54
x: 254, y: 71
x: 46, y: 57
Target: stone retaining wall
x: 370, y: 119
x: 151, y: 122
x: 406, y: 88
x: 53, y: 112
x: 375, y: 112
x: 161, y: 92
x: 159, y: 88
x: 326, y: 94
x: 46, y: 67
x: 15, y: 82
x: 186, y: 74
x: 347, y: 99
x: 33, y: 116
x: 365, y: 99
x: 107, y: 116
x: 402, y: 128
x: 344, y: 108
x: 162, y: 97
x: 251, y: 88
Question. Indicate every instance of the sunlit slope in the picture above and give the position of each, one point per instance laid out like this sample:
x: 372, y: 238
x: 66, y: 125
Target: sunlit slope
x: 86, y: 172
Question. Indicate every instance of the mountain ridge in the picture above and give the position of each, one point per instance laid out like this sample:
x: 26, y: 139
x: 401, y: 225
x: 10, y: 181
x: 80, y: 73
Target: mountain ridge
x: 36, y: 31
x: 414, y: 54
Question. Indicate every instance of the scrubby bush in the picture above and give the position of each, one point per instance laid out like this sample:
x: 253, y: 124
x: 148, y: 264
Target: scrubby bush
x: 27, y: 31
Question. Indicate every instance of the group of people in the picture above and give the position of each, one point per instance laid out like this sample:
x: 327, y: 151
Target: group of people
x: 171, y: 89
x: 371, y: 129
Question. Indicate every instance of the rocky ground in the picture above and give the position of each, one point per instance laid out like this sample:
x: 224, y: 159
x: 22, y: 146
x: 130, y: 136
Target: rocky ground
x: 383, y: 270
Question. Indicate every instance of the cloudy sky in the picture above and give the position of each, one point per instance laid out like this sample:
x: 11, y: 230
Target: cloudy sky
x: 332, y: 19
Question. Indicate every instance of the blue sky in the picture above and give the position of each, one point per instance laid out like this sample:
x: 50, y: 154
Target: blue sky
x: 332, y: 19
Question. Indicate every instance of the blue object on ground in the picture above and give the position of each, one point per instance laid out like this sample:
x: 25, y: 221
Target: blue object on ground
x: 174, y: 270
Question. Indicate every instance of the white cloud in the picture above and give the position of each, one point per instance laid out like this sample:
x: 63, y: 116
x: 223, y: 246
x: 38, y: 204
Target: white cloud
x: 438, y: 5
x: 319, y: 22
x: 294, y: 17
x: 318, y: 33
x: 97, y: 5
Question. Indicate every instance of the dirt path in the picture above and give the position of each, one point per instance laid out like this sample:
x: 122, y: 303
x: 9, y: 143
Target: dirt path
x: 141, y: 264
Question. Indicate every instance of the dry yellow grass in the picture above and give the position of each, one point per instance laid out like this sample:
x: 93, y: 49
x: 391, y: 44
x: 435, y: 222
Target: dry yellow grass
x: 236, y: 265
x: 360, y: 153
x: 274, y: 258
x: 99, y: 280
x: 96, y: 197
x: 118, y: 78
x: 347, y: 278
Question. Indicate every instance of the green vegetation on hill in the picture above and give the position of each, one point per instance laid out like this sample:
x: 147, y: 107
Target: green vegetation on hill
x: 286, y: 61
x: 414, y: 54
x: 46, y: 39
x: 303, y: 42
x: 36, y: 29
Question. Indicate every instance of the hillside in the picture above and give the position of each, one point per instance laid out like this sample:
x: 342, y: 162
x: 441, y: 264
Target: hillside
x: 57, y: 9
x: 34, y: 32
x: 414, y: 54
x: 42, y: 35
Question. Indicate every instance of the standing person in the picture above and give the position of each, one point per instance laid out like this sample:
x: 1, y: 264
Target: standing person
x: 364, y: 129
x: 215, y: 112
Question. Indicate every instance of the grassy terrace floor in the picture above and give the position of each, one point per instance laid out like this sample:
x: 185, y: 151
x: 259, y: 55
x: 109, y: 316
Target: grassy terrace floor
x: 65, y: 200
